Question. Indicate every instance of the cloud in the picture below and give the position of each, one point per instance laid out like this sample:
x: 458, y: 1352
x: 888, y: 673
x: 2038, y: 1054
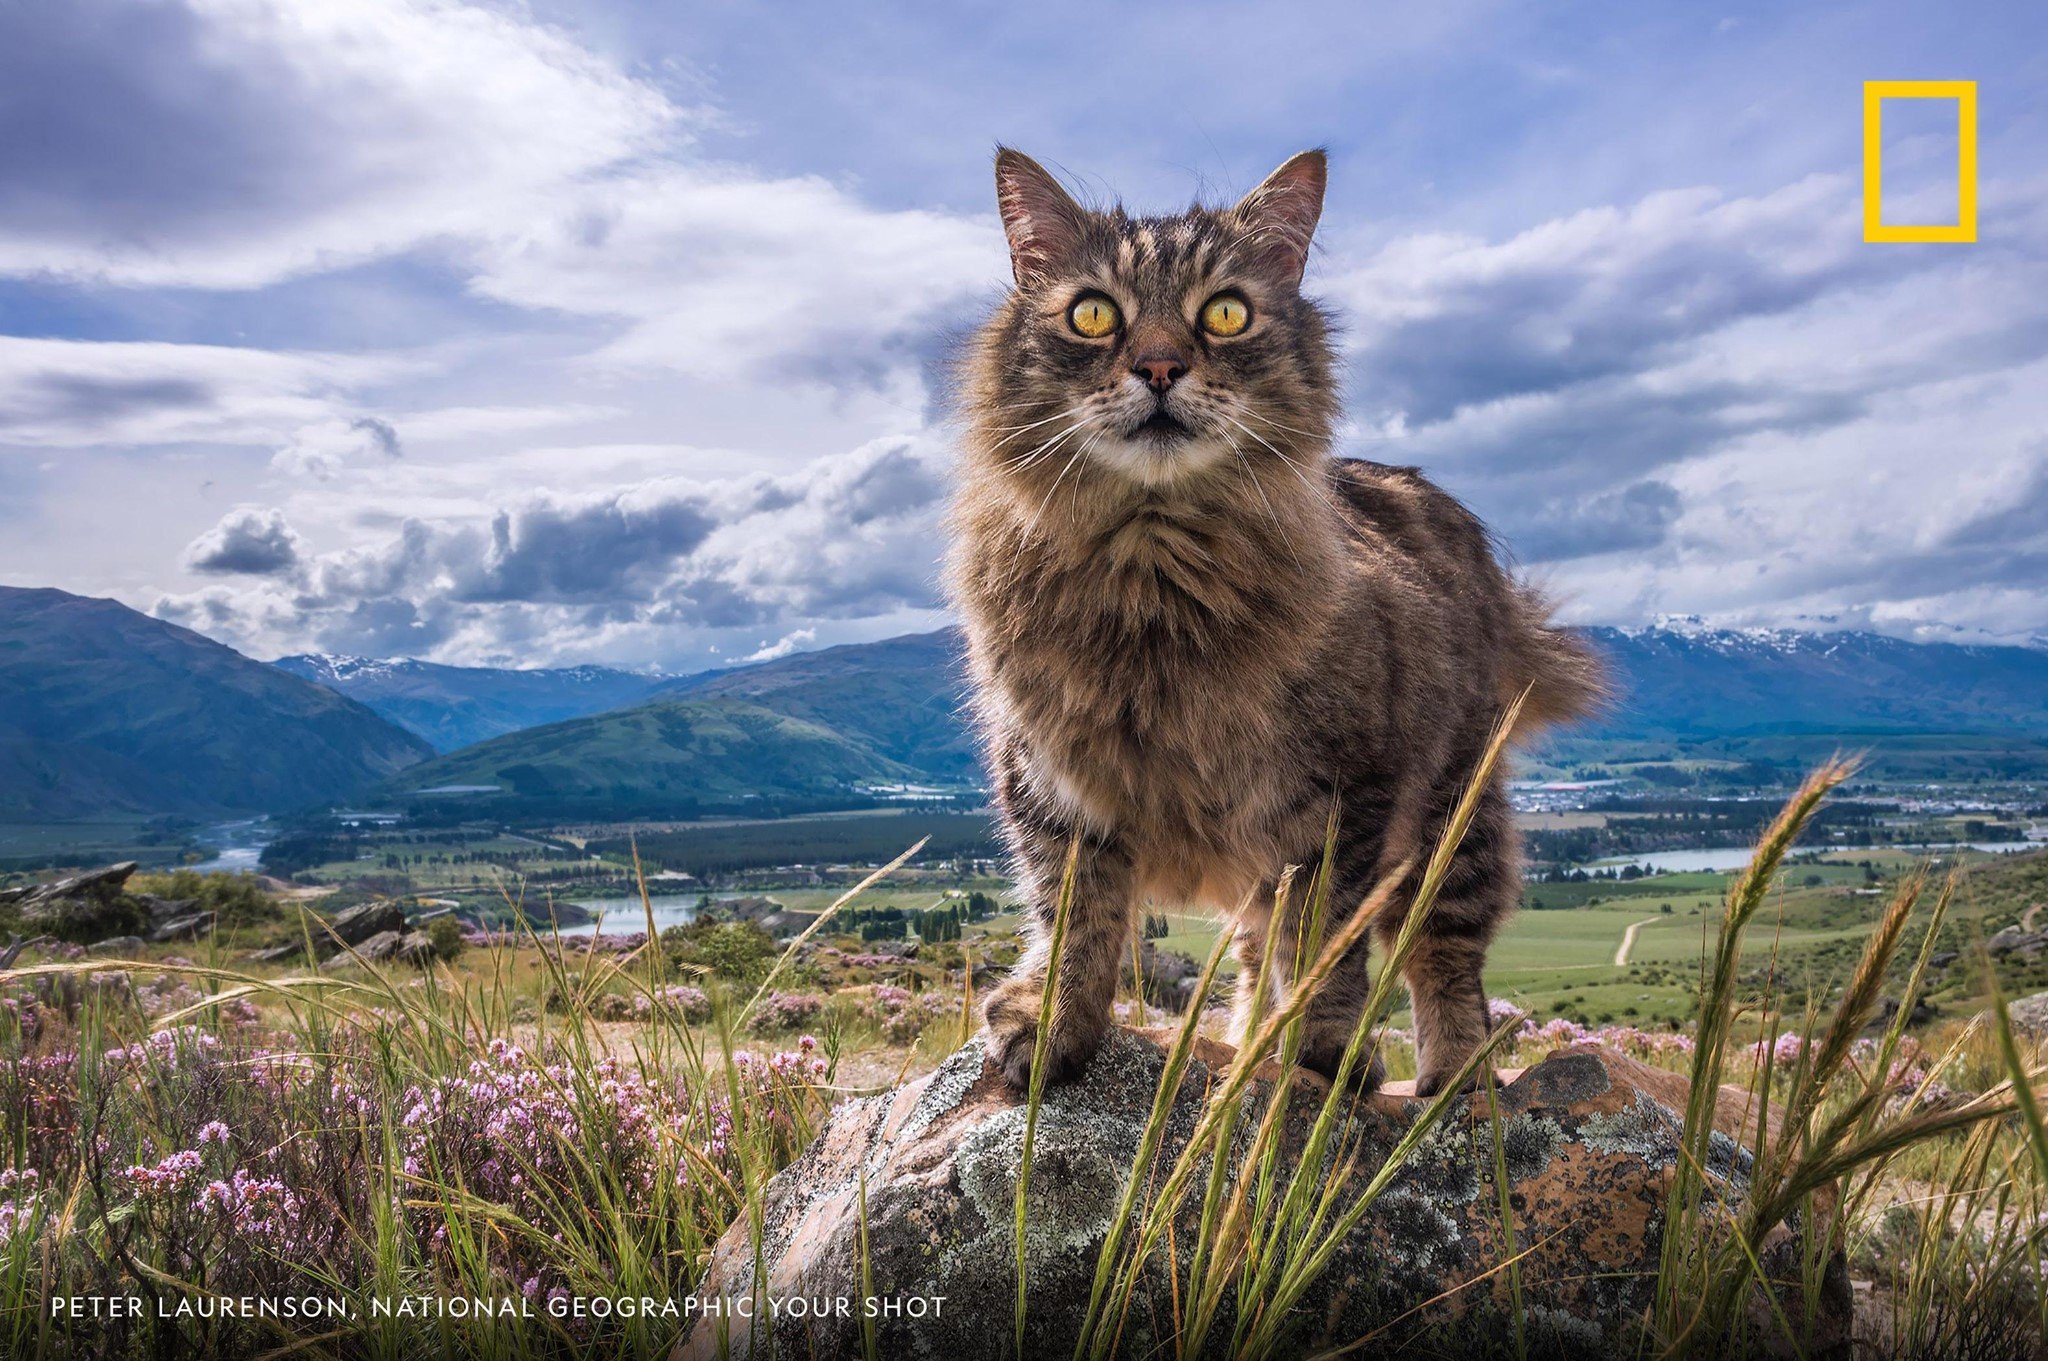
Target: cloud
x: 1712, y: 398
x: 619, y: 572
x: 261, y: 139
x: 721, y: 273
x: 247, y: 542
x: 81, y: 394
x: 794, y: 641
x: 322, y: 449
x: 1700, y: 403
x: 265, y: 140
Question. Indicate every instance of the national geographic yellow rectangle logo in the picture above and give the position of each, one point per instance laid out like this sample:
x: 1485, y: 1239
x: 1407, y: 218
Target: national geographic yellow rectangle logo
x: 1875, y: 93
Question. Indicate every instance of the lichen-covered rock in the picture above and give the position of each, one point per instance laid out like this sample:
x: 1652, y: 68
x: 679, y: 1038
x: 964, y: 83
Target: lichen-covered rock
x: 1588, y: 1138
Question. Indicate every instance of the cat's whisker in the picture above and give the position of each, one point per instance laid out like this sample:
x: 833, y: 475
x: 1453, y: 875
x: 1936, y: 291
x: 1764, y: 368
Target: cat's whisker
x: 1051, y: 446
x: 1071, y: 461
x: 1018, y: 430
x: 1320, y: 493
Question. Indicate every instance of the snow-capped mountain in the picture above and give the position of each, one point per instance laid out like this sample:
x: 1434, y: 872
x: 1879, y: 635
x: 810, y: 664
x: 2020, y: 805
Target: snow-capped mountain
x: 454, y: 706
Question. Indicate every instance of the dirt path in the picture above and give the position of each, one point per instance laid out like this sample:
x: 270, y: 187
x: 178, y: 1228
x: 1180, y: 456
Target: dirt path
x: 1628, y: 941
x: 2028, y: 917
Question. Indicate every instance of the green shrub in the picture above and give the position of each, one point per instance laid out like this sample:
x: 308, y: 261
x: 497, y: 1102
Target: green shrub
x: 234, y: 899
x: 445, y: 933
x: 740, y: 951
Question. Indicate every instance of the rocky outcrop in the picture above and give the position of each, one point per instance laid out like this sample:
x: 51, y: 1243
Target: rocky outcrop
x: 81, y: 907
x: 1588, y: 1138
x: 352, y: 926
x: 181, y: 926
x: 388, y: 947
x: 2017, y: 940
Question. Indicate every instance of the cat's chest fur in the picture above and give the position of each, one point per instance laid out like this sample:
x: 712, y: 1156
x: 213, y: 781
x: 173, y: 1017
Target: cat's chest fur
x: 1144, y: 678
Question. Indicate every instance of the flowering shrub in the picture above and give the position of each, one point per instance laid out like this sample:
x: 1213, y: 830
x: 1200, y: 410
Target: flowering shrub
x: 254, y: 1163
x: 787, y: 1011
x: 1559, y: 1032
x: 902, y: 1014
x: 686, y: 1003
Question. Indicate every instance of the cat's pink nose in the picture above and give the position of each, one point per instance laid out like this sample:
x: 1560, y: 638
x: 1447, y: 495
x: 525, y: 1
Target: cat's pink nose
x: 1161, y: 370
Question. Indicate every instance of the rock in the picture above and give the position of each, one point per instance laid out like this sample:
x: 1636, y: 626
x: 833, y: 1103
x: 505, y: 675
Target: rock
x: 183, y: 928
x: 1590, y: 1141
x: 116, y: 945
x: 1169, y: 976
x: 83, y: 907
x: 783, y: 925
x: 354, y: 925
x: 388, y: 947
x: 1887, y: 1011
x: 2015, y: 940
x: 167, y: 909
x: 2030, y: 1015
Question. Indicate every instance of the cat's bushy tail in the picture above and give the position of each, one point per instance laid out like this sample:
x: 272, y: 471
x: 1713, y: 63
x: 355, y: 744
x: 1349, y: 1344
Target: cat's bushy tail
x: 1566, y: 677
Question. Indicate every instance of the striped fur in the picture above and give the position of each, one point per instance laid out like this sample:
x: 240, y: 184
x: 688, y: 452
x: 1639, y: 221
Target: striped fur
x: 1189, y: 646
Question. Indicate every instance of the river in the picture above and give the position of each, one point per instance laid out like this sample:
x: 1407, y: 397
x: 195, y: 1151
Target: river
x: 237, y: 846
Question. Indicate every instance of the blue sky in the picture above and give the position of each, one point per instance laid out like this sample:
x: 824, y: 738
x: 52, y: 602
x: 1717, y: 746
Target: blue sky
x: 605, y: 331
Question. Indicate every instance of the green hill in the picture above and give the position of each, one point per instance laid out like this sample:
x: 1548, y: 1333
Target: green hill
x: 104, y: 710
x: 900, y: 697
x: 667, y: 757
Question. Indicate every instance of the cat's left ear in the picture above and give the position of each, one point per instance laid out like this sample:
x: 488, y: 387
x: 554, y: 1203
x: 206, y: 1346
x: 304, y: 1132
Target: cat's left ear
x: 1279, y: 217
x: 1041, y: 219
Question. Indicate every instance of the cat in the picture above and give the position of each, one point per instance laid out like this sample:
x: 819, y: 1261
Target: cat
x: 1193, y: 632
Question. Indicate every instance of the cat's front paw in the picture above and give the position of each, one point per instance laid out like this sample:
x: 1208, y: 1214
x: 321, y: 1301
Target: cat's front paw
x: 1367, y: 1074
x: 1012, y: 1016
x: 1429, y: 1084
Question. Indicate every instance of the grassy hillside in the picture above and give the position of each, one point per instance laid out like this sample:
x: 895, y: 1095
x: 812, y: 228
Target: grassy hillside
x: 104, y: 710
x: 901, y: 697
x: 668, y: 756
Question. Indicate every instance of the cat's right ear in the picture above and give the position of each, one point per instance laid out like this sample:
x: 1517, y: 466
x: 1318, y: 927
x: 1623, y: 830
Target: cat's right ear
x: 1041, y: 219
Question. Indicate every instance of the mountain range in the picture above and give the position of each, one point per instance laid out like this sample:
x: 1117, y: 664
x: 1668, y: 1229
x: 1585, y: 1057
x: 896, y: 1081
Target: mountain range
x: 104, y: 710
x: 458, y: 706
x: 900, y: 703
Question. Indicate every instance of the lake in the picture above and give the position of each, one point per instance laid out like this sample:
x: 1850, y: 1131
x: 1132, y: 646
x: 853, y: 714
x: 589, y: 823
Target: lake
x: 1735, y: 857
x: 624, y: 916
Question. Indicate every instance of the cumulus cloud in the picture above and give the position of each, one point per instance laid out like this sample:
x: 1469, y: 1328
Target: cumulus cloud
x: 1687, y: 400
x: 1700, y: 403
x: 790, y: 642
x: 247, y: 542
x: 265, y: 140
x: 560, y: 575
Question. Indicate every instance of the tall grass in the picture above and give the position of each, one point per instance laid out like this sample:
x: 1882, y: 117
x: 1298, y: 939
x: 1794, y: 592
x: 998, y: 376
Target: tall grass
x: 391, y: 1135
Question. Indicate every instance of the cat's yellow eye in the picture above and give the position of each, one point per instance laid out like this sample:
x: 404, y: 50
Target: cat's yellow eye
x: 1225, y: 315
x: 1094, y: 316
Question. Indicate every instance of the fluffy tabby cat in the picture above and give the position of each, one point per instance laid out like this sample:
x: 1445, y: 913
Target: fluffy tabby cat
x: 1193, y: 632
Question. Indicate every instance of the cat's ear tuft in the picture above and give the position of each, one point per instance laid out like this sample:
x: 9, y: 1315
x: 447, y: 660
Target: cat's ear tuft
x: 1280, y: 216
x: 1041, y: 219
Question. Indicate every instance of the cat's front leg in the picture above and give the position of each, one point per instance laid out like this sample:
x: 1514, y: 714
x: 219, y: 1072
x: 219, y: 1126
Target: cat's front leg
x: 1098, y: 927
